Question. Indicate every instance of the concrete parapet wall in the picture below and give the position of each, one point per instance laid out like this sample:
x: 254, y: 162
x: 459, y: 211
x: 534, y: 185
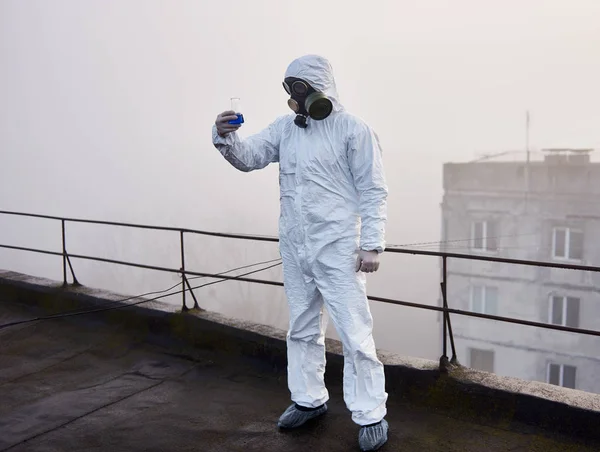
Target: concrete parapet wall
x: 474, y: 395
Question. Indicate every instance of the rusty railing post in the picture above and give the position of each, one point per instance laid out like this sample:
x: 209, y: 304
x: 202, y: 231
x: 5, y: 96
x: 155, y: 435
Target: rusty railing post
x: 447, y: 327
x: 444, y: 357
x: 64, y: 252
x: 183, y: 289
x: 66, y: 259
x: 184, y: 280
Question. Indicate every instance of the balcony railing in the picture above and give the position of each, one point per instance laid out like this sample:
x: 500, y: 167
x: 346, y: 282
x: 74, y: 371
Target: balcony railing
x: 186, y: 287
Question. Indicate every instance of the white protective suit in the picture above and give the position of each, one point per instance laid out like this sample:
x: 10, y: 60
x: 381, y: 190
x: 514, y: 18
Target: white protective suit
x: 331, y: 176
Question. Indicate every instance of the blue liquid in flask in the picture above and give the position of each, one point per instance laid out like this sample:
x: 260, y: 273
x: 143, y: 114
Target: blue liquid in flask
x: 239, y: 120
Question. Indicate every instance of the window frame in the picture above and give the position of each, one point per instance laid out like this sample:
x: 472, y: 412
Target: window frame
x: 484, y: 236
x: 568, y: 230
x: 493, y: 353
x: 483, y: 298
x: 565, y: 301
x: 561, y: 374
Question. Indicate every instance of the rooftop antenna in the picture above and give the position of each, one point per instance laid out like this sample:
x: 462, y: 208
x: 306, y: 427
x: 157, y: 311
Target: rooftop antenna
x: 527, y: 164
x: 527, y: 135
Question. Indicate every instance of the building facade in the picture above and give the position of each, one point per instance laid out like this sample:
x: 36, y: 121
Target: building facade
x: 545, y: 211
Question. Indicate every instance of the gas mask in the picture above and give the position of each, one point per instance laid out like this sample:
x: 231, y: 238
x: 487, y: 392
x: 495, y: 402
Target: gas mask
x: 306, y: 101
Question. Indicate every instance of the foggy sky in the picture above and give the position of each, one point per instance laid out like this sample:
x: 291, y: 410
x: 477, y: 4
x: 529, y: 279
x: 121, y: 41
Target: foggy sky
x: 106, y: 108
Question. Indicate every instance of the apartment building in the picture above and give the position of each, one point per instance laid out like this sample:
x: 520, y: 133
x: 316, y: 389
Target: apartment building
x: 546, y: 210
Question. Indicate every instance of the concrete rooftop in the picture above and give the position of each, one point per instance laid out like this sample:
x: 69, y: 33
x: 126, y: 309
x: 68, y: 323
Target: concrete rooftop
x: 82, y: 384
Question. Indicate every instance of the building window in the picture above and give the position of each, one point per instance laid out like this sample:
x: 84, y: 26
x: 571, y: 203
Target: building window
x: 481, y: 359
x: 564, y: 311
x: 484, y: 299
x: 567, y: 243
x: 483, y: 236
x: 561, y: 375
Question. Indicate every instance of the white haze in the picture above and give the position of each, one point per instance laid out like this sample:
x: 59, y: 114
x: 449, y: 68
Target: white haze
x: 106, y: 108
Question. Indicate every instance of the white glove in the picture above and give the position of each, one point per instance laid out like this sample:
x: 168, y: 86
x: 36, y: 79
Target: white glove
x: 368, y: 261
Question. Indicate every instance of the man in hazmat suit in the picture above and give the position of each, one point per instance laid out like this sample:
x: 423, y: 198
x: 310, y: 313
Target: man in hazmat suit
x: 333, y: 197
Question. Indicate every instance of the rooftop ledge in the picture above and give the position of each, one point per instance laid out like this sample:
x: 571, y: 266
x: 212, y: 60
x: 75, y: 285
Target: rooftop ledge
x: 465, y: 393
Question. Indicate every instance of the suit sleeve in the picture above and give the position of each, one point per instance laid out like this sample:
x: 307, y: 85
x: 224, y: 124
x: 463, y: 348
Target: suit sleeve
x: 252, y: 153
x: 366, y: 164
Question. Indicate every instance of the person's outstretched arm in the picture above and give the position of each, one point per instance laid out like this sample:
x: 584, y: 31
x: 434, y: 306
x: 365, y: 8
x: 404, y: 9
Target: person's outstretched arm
x: 252, y: 153
x: 366, y: 164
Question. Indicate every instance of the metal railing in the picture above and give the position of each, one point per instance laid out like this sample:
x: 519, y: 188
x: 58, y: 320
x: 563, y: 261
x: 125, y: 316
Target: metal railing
x: 444, y: 256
